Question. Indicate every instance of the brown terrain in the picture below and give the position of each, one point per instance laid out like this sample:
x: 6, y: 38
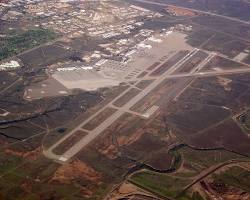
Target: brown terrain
x: 177, y: 11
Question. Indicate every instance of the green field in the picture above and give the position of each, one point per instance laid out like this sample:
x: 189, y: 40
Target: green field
x: 165, y: 185
x: 16, y: 43
x: 171, y: 186
x: 161, y: 184
x: 236, y: 177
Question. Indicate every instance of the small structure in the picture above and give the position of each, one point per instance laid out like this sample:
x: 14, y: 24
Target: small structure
x: 9, y: 65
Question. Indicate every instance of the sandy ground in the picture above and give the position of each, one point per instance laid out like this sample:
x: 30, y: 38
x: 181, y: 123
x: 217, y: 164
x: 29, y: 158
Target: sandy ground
x: 180, y: 11
x: 76, y: 169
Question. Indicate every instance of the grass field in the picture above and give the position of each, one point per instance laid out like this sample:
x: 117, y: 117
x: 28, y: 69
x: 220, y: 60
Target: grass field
x: 165, y: 185
x: 160, y: 184
x: 16, y: 43
x: 236, y: 177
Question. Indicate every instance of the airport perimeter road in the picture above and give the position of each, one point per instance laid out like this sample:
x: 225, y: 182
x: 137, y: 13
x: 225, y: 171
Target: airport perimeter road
x: 111, y: 119
x: 195, y: 10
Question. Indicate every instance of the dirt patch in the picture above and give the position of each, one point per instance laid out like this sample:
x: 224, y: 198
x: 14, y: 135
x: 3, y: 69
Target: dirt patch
x: 31, y: 155
x: 176, y: 11
x: 110, y: 151
x: 86, y: 192
x: 225, y: 82
x: 125, y: 140
x: 76, y: 169
x: 124, y: 190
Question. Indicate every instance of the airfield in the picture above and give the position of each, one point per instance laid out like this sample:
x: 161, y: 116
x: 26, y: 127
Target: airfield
x: 171, y: 58
x: 117, y: 100
x: 108, y: 73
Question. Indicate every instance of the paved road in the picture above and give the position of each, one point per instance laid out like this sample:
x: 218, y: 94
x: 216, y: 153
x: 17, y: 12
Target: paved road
x: 111, y: 119
x: 195, y: 10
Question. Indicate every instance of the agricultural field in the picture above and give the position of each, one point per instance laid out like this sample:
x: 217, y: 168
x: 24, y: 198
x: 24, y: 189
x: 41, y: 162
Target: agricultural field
x: 160, y: 184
